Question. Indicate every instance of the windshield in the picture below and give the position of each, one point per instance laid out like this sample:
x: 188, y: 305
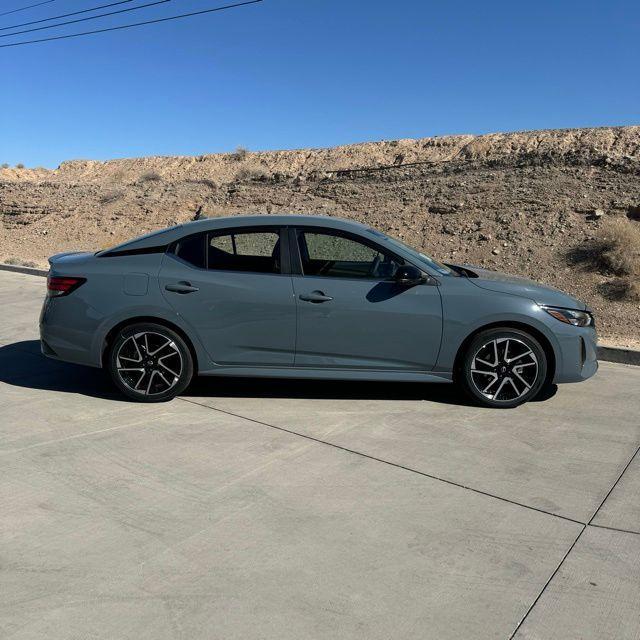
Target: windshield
x: 417, y: 255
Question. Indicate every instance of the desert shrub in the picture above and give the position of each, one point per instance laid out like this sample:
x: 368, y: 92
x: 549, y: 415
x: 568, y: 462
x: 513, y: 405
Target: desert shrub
x: 619, y: 241
x: 150, y: 176
x: 19, y: 165
x: 614, y: 252
x: 633, y: 289
x: 239, y: 154
x: 249, y: 174
x: 111, y: 196
x: 208, y: 183
x: 5, y: 165
x: 205, y: 182
x: 626, y: 288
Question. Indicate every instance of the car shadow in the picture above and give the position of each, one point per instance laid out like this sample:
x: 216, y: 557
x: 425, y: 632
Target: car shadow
x: 22, y: 365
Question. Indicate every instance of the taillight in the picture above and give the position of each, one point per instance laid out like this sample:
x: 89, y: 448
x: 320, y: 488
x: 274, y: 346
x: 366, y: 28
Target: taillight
x: 62, y: 286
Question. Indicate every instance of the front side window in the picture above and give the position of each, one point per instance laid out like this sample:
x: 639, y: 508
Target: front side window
x: 255, y: 251
x: 333, y: 255
x: 442, y: 269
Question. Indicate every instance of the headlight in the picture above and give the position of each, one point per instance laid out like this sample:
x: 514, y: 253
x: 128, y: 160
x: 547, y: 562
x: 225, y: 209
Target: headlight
x: 570, y: 316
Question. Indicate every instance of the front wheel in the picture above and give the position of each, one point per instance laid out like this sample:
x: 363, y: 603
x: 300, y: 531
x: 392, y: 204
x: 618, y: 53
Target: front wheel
x: 503, y: 368
x: 149, y: 362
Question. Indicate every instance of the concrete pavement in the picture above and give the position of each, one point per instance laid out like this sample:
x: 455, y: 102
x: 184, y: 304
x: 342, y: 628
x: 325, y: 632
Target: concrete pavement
x: 282, y: 509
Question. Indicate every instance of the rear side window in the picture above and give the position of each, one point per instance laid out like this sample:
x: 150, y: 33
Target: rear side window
x: 254, y: 251
x: 192, y: 250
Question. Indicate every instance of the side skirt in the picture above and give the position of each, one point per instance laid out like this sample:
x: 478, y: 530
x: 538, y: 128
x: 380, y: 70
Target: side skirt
x: 329, y: 374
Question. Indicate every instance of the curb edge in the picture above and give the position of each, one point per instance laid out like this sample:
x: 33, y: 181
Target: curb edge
x: 32, y: 271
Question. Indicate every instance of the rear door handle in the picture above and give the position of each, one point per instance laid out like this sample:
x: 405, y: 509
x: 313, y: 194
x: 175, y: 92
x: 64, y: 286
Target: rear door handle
x: 181, y: 287
x: 315, y: 296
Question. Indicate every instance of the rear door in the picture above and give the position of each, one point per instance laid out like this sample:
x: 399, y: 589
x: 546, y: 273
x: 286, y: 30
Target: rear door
x: 351, y: 314
x: 234, y: 288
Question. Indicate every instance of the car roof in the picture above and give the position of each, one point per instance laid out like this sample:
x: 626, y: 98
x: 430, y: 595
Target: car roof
x: 171, y: 234
x: 270, y: 219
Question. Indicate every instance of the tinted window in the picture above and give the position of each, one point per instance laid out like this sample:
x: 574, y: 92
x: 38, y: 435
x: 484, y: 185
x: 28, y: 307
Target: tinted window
x: 337, y: 256
x: 256, y: 251
x: 418, y: 255
x: 191, y: 250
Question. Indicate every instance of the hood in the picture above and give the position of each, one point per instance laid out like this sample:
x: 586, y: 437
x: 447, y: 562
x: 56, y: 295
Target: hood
x: 517, y: 286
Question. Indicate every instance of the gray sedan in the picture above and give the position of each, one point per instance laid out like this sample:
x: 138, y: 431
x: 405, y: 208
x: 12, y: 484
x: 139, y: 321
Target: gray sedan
x: 307, y: 297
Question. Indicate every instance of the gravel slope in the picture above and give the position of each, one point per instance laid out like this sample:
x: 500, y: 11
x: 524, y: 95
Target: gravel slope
x: 523, y: 203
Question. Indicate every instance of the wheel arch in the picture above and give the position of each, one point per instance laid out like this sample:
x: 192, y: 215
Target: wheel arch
x: 511, y: 324
x: 155, y: 320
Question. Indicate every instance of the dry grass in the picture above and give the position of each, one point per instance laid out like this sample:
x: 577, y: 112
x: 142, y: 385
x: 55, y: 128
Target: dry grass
x: 633, y: 289
x: 620, y: 246
x: 150, y: 176
x: 206, y: 182
x: 239, y: 154
x: 620, y: 254
x: 111, y: 196
x: 245, y: 174
x: 614, y: 253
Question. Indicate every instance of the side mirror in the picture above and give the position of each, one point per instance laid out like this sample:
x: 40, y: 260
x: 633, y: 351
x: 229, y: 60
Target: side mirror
x: 408, y: 276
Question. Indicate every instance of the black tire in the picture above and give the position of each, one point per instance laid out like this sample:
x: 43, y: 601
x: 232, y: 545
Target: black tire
x: 514, y: 376
x: 157, y: 376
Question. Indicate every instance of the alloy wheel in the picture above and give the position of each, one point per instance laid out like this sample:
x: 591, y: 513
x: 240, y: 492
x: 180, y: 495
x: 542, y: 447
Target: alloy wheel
x: 149, y: 363
x: 504, y: 369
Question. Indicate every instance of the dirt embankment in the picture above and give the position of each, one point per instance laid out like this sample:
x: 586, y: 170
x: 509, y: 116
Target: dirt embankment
x: 525, y: 203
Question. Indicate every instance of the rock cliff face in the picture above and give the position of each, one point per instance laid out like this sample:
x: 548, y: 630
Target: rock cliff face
x: 523, y: 203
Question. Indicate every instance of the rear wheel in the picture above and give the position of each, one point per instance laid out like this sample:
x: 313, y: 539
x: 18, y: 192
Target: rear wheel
x: 503, y: 368
x: 149, y: 362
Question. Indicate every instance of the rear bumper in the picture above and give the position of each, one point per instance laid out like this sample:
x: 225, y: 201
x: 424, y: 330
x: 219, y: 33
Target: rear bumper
x: 577, y: 359
x: 66, y: 331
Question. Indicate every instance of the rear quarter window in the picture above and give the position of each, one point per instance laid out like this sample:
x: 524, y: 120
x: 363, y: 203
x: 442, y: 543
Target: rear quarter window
x: 192, y: 250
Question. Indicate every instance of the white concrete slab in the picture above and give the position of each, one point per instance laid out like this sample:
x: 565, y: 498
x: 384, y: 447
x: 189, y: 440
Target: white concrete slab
x: 594, y: 595
x: 622, y: 508
x: 561, y: 455
x: 199, y: 525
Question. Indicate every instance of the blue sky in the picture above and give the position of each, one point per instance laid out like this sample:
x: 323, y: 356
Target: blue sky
x: 312, y: 73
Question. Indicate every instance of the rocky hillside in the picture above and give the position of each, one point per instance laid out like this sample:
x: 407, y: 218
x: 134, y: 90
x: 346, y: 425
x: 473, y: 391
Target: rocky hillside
x: 526, y: 203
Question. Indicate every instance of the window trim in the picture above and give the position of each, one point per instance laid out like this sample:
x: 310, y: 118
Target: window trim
x: 296, y: 258
x: 285, y: 259
x: 117, y: 253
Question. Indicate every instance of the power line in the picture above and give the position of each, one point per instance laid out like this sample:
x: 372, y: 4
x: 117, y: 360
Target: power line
x: 64, y: 15
x: 135, y: 24
x: 99, y: 15
x: 6, y: 13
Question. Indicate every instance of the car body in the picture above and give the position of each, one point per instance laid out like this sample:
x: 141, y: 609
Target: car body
x: 305, y: 297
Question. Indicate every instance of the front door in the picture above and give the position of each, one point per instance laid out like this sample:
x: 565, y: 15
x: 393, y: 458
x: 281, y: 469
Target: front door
x: 230, y: 286
x: 351, y: 314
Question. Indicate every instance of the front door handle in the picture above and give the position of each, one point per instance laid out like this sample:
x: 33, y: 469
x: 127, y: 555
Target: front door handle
x: 181, y: 287
x: 315, y: 296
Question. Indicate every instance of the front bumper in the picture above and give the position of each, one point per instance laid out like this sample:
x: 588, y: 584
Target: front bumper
x: 577, y: 359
